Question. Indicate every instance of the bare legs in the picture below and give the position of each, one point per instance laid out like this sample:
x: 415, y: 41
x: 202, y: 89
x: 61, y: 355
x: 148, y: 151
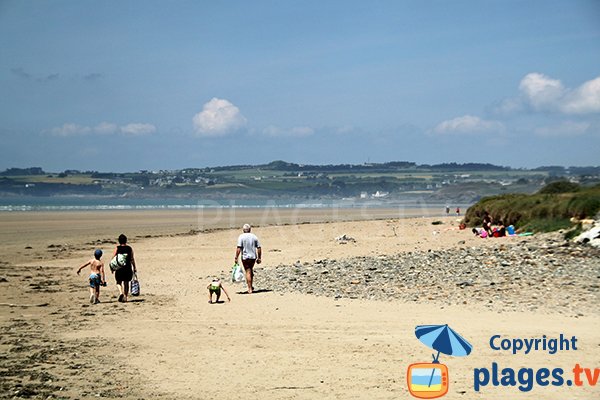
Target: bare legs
x: 94, y: 295
x: 216, y: 292
x: 123, y: 291
x: 249, y: 269
x: 249, y: 277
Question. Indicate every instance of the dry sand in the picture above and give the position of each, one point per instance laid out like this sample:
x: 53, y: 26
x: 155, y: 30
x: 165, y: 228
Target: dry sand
x: 169, y: 343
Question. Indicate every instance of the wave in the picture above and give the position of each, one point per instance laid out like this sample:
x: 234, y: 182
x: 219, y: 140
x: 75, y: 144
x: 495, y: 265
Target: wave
x: 98, y: 204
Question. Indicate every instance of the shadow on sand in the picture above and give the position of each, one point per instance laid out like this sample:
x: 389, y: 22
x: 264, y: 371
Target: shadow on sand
x: 256, y: 291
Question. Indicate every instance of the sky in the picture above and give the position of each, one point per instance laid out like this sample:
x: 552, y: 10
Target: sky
x: 128, y: 85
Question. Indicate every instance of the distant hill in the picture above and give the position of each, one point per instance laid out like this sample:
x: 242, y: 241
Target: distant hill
x: 386, y: 183
x: 22, y: 171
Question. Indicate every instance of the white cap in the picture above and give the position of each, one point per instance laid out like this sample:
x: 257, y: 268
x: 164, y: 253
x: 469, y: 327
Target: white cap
x: 246, y: 227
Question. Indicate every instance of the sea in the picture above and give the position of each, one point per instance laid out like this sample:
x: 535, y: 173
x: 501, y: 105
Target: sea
x: 85, y: 203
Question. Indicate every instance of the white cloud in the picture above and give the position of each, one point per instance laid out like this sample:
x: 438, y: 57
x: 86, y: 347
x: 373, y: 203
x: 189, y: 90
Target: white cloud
x: 273, y: 131
x: 541, y: 92
x: 298, y: 131
x: 106, y: 128
x: 70, y: 129
x: 546, y: 94
x: 217, y: 118
x: 583, y: 100
x: 467, y: 124
x: 508, y: 106
x: 567, y: 128
x: 138, y: 129
x: 302, y: 131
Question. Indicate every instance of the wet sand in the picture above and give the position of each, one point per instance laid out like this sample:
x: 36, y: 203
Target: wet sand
x: 26, y: 236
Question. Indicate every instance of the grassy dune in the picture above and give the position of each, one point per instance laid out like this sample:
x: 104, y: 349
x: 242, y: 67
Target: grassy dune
x: 549, y: 209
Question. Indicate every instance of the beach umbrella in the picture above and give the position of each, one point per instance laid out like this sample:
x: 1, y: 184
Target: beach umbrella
x: 443, y: 339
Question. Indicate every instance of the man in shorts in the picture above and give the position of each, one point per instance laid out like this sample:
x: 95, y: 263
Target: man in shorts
x: 249, y: 248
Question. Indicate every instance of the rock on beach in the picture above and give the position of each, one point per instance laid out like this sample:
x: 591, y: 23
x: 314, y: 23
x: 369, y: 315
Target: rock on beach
x: 543, y: 272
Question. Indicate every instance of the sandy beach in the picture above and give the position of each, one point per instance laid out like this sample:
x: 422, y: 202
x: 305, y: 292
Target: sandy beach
x: 278, y: 343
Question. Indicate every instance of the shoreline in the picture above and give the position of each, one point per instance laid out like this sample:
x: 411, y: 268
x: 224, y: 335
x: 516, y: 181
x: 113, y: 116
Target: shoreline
x: 82, y: 203
x: 26, y: 236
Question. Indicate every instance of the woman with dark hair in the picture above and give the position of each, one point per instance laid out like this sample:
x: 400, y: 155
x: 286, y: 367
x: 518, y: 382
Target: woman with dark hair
x: 124, y: 274
x: 487, y: 223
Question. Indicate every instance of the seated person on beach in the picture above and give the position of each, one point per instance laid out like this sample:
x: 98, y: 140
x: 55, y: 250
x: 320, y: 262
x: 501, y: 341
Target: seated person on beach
x: 501, y: 229
x: 97, y: 277
x: 482, y: 233
x: 487, y: 223
x: 215, y: 287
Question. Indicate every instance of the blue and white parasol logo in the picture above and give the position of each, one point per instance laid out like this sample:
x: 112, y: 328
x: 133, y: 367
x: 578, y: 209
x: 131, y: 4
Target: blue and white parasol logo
x: 431, y: 380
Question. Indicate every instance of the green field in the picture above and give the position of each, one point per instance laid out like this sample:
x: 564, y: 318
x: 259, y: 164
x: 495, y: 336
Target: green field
x: 452, y: 183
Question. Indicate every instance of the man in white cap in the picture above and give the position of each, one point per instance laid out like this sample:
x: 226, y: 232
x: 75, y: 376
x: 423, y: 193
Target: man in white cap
x: 249, y: 247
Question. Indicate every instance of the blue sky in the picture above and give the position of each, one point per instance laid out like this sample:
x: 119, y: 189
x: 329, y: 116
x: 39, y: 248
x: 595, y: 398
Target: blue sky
x: 129, y: 85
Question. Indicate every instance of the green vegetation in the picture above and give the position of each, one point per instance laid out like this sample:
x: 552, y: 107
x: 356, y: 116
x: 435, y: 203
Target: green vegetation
x: 574, y: 232
x: 398, y: 181
x: 549, y: 209
x: 560, y: 186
